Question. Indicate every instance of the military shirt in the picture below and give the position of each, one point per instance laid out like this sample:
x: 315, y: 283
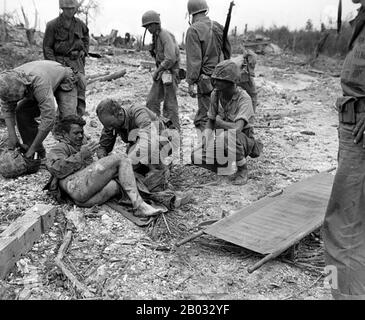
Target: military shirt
x: 239, y: 108
x: 60, y: 40
x: 353, y: 71
x: 44, y: 77
x: 65, y: 159
x: 166, y: 50
x: 198, y: 60
x: 136, y: 118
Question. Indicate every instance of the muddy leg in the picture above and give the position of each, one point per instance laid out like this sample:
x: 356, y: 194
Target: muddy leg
x: 129, y: 185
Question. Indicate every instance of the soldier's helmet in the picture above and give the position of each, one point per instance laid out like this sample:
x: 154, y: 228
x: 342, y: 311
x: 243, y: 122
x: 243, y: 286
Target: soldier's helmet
x: 150, y: 17
x: 68, y: 4
x: 197, y: 6
x: 12, y: 86
x: 227, y: 71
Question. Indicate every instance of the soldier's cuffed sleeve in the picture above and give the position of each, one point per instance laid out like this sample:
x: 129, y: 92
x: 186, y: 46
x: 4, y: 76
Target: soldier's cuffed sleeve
x: 60, y: 165
x: 8, y: 110
x: 48, y: 42
x: 107, y: 141
x: 43, y: 94
x: 194, y: 56
x: 244, y: 108
x: 169, y: 51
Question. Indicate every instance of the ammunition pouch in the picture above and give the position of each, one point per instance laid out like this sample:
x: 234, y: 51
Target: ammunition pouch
x: 348, y: 107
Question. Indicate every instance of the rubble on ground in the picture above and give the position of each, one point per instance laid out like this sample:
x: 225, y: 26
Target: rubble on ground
x: 117, y: 260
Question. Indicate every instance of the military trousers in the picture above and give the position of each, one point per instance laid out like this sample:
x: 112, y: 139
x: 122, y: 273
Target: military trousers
x: 166, y: 93
x: 227, y: 147
x: 344, y: 226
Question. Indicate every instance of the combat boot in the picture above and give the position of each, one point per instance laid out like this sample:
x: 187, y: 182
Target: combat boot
x: 240, y: 178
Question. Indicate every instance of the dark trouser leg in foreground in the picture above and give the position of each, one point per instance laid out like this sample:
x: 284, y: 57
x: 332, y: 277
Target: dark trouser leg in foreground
x: 26, y: 113
x: 344, y: 227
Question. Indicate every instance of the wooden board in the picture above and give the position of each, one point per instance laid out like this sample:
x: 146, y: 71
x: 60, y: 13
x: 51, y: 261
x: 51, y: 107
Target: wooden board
x: 22, y: 234
x: 272, y: 224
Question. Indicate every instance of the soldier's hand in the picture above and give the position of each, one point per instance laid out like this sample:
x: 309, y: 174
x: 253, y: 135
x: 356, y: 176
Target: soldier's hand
x: 192, y: 92
x: 359, y: 132
x: 89, y: 149
x: 218, y: 121
x: 23, y: 148
x: 156, y: 75
x: 101, y: 153
x: 29, y: 154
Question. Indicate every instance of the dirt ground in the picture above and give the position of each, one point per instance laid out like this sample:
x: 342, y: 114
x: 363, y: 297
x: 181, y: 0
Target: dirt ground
x: 115, y: 259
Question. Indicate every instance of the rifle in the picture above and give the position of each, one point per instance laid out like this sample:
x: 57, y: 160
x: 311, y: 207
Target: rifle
x: 339, y: 17
x: 226, y: 27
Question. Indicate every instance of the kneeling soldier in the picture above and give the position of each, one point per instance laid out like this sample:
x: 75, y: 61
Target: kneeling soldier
x: 228, y: 136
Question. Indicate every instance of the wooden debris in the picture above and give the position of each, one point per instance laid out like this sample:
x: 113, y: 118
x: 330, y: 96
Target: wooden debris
x: 150, y: 65
x: 308, y: 133
x: 316, y: 71
x: 22, y: 234
x: 98, y: 75
x: 61, y: 253
x: 113, y: 76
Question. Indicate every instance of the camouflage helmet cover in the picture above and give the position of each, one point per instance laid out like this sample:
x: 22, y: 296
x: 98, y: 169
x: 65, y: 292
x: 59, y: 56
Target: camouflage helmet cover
x: 13, y: 85
x: 227, y: 71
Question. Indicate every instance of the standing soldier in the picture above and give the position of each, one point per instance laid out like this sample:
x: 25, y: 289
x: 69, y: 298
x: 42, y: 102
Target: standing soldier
x: 204, y: 50
x: 344, y: 227
x: 166, y: 77
x: 66, y: 40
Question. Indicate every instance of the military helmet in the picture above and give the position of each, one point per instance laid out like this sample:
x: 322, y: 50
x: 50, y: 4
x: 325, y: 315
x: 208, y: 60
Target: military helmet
x: 12, y: 164
x: 197, y: 6
x: 150, y: 17
x: 12, y: 86
x: 68, y: 4
x: 227, y: 71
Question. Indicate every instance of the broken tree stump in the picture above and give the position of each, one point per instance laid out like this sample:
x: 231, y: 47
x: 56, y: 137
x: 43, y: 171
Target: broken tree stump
x: 22, y: 234
x: 113, y: 76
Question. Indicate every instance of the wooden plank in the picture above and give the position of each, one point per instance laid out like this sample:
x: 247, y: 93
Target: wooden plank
x: 47, y: 214
x: 21, y: 235
x: 9, y: 255
x: 27, y: 231
x: 272, y: 223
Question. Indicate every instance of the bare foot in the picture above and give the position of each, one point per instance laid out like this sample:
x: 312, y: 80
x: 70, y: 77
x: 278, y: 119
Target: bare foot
x: 145, y: 211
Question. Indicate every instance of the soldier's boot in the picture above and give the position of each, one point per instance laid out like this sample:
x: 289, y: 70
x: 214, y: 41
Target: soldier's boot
x: 240, y: 178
